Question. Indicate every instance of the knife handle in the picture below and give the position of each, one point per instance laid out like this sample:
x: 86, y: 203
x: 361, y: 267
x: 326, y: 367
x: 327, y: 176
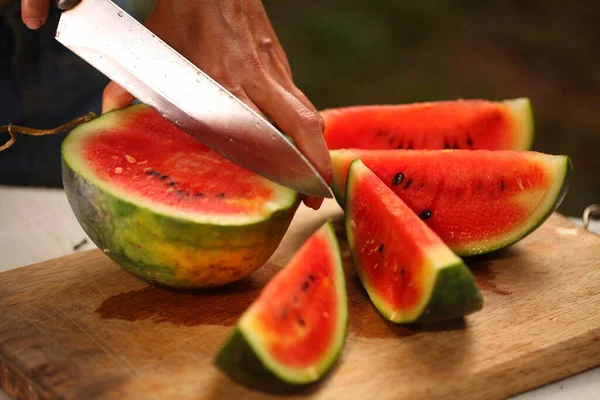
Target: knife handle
x: 66, y: 5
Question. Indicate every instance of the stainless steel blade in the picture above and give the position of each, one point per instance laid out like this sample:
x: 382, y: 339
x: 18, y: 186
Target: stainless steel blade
x: 125, y: 51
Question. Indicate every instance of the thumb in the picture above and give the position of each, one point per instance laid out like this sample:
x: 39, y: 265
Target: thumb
x: 115, y: 97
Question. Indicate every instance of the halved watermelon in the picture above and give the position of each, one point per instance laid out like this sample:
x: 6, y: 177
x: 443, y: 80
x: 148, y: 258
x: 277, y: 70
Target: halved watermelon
x: 294, y: 332
x: 410, y: 274
x: 476, y: 201
x: 460, y: 124
x: 167, y: 208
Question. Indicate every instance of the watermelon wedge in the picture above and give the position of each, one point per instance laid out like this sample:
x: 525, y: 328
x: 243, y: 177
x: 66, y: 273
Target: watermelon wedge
x: 476, y: 201
x: 460, y: 124
x: 294, y: 332
x: 167, y: 208
x: 409, y: 273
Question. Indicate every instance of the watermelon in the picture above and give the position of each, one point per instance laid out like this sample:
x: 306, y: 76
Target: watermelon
x: 460, y: 124
x: 409, y: 273
x: 167, y: 208
x: 294, y: 332
x: 477, y: 201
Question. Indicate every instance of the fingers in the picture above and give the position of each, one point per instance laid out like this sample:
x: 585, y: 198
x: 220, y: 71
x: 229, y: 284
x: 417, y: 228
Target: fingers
x: 298, y: 121
x: 34, y: 12
x: 115, y: 97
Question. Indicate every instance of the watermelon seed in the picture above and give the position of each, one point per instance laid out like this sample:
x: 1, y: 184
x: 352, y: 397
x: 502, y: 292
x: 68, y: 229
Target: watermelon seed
x: 410, y: 146
x: 130, y: 159
x: 381, y: 248
x: 446, y: 145
x: 311, y: 277
x: 456, y: 146
x: 221, y: 195
x: 479, y: 187
x: 400, y: 146
x: 305, y: 286
x: 172, y: 183
x: 402, y: 271
x: 398, y: 178
x: 295, y: 298
x: 469, y: 141
x: 502, y: 185
x: 301, y: 321
x: 164, y: 177
x: 408, y: 184
x: 153, y: 173
x: 425, y: 214
x: 200, y: 194
x: 181, y: 192
x: 143, y: 162
x: 118, y: 170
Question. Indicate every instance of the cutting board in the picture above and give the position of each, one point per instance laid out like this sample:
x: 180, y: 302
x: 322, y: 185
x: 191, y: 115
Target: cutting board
x: 79, y: 327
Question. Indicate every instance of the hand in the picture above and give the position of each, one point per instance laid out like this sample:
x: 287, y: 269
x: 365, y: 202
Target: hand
x: 34, y: 12
x: 234, y: 43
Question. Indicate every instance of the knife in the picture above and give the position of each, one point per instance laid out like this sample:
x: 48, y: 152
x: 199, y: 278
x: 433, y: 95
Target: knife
x: 125, y: 51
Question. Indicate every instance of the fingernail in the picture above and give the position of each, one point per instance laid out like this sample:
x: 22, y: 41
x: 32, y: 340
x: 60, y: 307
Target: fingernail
x: 34, y: 23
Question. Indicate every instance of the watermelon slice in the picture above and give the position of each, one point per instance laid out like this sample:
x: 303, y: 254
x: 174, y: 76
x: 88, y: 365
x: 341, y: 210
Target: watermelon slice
x: 167, y: 208
x: 461, y: 124
x: 476, y: 201
x: 410, y: 274
x: 295, y: 331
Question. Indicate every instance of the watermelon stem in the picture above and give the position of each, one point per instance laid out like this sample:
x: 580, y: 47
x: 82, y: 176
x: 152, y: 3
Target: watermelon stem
x: 12, y: 130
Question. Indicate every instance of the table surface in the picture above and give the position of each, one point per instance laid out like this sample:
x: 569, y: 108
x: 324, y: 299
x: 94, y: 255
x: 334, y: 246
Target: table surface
x: 38, y: 225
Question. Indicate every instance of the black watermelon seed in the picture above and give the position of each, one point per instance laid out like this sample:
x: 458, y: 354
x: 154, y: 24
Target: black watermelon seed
x: 469, y: 142
x: 305, y: 286
x: 381, y: 248
x: 425, y: 215
x: 446, y: 145
x: 402, y: 271
x: 172, y: 183
x: 400, y: 146
x: 199, y: 194
x: 311, y: 277
x: 164, y: 177
x: 502, y: 185
x: 398, y: 178
x: 221, y: 195
x: 153, y: 173
x: 301, y: 321
x: 408, y: 184
x: 456, y: 146
x: 181, y: 192
x: 479, y: 187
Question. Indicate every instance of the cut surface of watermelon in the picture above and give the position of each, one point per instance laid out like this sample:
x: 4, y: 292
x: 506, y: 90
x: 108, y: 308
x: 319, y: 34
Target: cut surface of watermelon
x: 167, y: 208
x: 476, y: 201
x: 409, y: 273
x: 296, y: 329
x: 458, y: 124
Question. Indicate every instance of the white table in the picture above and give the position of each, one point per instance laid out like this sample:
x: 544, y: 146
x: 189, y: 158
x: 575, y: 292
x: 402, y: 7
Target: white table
x: 38, y: 225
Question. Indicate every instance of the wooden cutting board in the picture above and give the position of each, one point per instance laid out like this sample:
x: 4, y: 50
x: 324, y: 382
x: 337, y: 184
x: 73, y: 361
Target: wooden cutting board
x: 80, y: 327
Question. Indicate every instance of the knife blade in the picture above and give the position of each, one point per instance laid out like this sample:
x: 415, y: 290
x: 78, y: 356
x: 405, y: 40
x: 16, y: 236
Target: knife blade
x: 128, y: 53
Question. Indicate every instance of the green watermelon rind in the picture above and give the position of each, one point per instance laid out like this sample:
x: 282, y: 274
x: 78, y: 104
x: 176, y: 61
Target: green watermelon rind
x: 246, y: 361
x: 554, y: 198
x: 452, y: 294
x: 524, y: 117
x: 168, y: 249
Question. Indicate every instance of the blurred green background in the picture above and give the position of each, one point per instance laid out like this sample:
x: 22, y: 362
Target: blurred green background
x: 391, y: 51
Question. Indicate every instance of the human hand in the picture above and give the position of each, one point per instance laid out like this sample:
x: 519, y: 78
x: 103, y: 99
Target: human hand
x: 34, y: 13
x: 235, y: 44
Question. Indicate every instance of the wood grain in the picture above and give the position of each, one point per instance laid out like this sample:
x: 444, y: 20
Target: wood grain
x: 80, y: 327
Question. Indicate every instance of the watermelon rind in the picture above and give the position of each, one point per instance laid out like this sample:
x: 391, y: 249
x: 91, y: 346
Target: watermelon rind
x: 523, y: 118
x: 452, y: 292
x: 246, y: 359
x: 561, y: 166
x: 166, y: 246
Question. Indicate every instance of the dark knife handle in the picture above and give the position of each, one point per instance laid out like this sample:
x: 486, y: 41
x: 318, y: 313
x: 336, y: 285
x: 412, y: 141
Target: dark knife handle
x: 66, y: 5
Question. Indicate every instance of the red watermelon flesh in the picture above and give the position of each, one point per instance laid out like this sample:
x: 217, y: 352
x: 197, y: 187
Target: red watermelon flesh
x: 148, y: 157
x: 460, y: 124
x: 297, y: 326
x: 410, y: 274
x: 476, y: 201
